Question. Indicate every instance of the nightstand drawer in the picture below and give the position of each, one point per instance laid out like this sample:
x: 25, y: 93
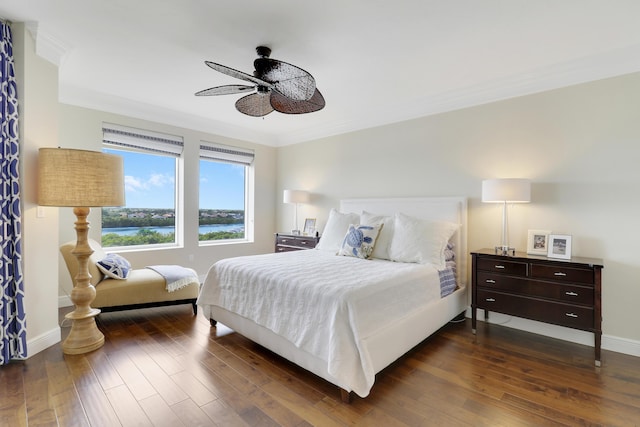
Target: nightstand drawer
x: 289, y: 242
x: 502, y: 266
x: 569, y: 315
x: 563, y: 274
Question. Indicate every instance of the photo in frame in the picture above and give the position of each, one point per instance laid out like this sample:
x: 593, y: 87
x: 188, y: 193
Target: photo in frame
x: 309, y: 226
x: 559, y: 246
x: 537, y: 242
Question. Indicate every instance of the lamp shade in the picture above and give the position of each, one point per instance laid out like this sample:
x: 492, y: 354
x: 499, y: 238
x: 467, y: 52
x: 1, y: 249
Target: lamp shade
x: 79, y: 178
x: 512, y: 190
x: 295, y: 196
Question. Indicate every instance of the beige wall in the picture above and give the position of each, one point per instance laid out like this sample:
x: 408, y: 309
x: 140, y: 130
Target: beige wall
x: 82, y: 128
x: 38, y: 103
x: 579, y: 145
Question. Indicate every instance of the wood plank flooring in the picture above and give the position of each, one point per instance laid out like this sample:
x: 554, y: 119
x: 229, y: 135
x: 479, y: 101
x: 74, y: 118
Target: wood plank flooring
x: 165, y: 367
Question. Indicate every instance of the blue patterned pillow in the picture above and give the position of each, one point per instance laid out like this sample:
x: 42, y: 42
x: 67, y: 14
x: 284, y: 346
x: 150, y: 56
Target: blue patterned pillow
x: 447, y: 282
x: 360, y: 240
x: 114, y: 266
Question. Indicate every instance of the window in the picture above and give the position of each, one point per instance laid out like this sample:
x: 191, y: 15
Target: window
x: 151, y: 168
x: 224, y: 173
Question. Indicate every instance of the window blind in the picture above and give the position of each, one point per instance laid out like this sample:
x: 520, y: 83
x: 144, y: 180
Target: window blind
x: 125, y: 137
x: 225, y: 153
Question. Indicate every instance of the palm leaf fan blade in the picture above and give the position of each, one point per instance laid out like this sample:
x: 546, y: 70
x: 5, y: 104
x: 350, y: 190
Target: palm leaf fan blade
x: 286, y: 105
x: 255, y: 105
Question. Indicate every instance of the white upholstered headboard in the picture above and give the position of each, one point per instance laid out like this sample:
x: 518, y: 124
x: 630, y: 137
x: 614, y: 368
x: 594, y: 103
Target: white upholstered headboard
x: 452, y: 209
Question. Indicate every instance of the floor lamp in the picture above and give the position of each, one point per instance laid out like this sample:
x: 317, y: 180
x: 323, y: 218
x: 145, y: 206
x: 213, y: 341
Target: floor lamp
x: 508, y: 190
x: 81, y: 179
x: 295, y: 197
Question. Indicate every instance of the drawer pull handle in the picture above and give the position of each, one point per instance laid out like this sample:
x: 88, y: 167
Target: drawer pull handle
x: 284, y: 240
x: 571, y: 315
x: 490, y: 281
x: 490, y: 300
x: 500, y: 266
x: 571, y: 294
x: 303, y: 242
x: 559, y: 273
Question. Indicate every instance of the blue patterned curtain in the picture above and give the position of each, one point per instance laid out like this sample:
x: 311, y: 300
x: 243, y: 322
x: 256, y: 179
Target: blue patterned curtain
x: 13, y: 341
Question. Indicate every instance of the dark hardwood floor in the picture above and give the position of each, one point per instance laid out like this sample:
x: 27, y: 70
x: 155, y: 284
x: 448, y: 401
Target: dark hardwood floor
x: 165, y: 367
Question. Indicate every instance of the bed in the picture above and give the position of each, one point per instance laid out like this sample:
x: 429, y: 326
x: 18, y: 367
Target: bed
x: 345, y: 318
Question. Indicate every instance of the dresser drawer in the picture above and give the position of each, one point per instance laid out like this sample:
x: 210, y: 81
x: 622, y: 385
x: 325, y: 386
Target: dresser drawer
x: 502, y: 266
x: 563, y: 274
x: 569, y: 315
x: 569, y: 293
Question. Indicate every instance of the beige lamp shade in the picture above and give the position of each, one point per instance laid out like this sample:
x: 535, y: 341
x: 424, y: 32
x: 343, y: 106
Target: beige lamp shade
x: 295, y: 196
x: 511, y: 190
x: 79, y: 178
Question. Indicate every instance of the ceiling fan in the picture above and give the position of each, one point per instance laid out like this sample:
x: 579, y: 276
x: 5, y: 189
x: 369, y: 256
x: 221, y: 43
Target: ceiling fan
x: 277, y: 85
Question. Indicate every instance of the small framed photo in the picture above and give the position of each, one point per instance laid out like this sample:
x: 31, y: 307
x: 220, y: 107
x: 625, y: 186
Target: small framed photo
x: 537, y: 242
x: 559, y: 246
x: 309, y: 226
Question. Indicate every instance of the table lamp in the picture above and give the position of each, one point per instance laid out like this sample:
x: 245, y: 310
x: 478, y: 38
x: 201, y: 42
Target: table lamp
x: 81, y: 179
x: 506, y: 190
x: 295, y: 197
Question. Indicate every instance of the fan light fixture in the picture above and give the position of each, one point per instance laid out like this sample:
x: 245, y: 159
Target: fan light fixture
x: 277, y: 85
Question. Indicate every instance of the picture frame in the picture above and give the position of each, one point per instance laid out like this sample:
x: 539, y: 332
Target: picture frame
x: 309, y: 226
x: 559, y: 246
x: 537, y: 242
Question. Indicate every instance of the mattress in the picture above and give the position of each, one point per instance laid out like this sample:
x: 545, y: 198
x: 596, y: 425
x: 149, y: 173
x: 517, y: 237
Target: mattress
x: 323, y: 304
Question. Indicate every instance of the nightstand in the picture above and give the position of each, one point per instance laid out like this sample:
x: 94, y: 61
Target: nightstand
x: 292, y: 242
x: 557, y: 291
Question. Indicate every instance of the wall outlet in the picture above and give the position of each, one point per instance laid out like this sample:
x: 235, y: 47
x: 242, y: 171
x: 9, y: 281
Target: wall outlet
x: 191, y: 257
x: 40, y: 212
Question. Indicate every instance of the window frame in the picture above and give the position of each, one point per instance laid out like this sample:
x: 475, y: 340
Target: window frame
x: 121, y: 138
x: 220, y: 153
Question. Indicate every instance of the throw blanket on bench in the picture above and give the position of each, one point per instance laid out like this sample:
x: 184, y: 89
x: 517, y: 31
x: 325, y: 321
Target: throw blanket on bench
x: 177, y: 277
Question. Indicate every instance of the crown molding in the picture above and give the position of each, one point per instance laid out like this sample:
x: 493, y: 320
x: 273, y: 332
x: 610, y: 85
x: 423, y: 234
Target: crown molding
x: 126, y: 107
x: 582, y: 70
x: 47, y: 46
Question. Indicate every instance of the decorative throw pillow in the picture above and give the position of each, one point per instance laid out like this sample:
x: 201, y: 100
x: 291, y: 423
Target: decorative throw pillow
x: 381, y: 249
x: 360, y: 240
x: 114, y: 266
x: 420, y: 241
x: 333, y: 233
x: 447, y: 282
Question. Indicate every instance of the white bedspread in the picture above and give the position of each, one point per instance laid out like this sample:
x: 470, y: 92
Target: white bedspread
x: 323, y: 303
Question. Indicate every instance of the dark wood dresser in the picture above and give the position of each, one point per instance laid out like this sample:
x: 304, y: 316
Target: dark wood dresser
x: 562, y: 292
x: 292, y: 242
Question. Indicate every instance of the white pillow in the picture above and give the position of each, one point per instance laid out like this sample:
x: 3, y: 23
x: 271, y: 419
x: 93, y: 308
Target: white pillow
x: 360, y: 240
x: 333, y: 233
x: 381, y: 249
x: 420, y: 241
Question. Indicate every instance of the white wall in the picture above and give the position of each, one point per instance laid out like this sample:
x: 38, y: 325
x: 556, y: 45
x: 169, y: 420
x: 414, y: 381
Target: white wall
x: 82, y: 128
x: 579, y: 145
x: 38, y: 103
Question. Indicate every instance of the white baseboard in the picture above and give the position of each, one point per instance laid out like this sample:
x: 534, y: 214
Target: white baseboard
x: 43, y: 341
x: 64, y: 301
x: 609, y: 342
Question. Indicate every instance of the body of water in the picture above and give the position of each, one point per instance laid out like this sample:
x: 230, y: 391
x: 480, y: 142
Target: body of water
x: 203, y: 229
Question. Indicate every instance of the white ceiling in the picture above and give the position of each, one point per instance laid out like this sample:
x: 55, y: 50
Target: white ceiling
x: 376, y: 62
